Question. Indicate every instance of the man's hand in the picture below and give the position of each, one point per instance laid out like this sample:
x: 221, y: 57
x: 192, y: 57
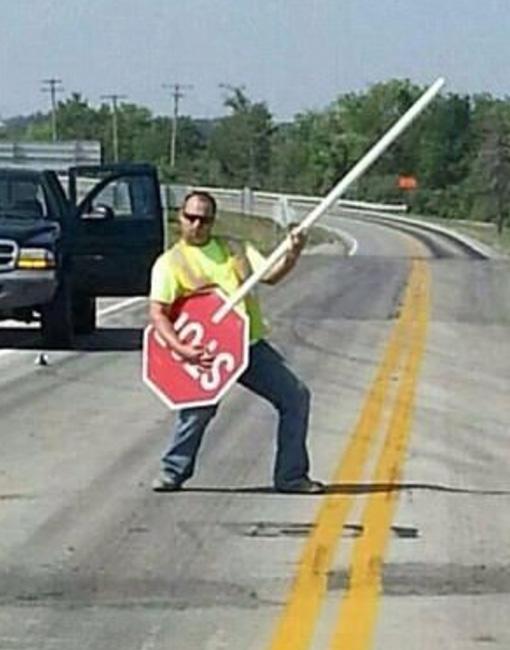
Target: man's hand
x: 197, y: 355
x: 297, y: 243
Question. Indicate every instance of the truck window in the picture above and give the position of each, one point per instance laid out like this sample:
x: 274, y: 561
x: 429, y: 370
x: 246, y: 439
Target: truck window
x: 22, y: 199
x: 129, y: 197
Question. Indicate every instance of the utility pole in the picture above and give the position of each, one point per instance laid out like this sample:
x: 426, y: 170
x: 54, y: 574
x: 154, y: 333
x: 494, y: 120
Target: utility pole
x: 177, y: 95
x: 114, y: 98
x: 53, y: 86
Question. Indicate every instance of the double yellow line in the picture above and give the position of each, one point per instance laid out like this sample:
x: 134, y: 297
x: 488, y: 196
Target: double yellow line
x: 357, y: 614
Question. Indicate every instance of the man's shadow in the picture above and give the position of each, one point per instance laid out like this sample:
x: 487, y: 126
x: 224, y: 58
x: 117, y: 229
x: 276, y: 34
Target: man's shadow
x: 346, y: 489
x: 103, y: 339
x: 331, y: 488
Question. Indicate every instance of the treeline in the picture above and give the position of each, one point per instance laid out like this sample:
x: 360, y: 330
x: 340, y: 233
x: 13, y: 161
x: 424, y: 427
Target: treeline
x: 458, y: 151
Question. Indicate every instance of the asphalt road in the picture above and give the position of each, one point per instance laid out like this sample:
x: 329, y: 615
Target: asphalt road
x: 406, y: 349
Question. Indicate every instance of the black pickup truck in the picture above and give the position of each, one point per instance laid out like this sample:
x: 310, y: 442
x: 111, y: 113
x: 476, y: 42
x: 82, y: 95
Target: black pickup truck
x: 60, y: 249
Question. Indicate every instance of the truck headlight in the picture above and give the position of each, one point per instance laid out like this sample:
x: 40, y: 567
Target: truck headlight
x: 35, y: 258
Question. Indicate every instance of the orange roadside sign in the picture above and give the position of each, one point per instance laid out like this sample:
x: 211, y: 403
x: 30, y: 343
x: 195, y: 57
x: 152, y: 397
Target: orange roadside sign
x: 407, y: 182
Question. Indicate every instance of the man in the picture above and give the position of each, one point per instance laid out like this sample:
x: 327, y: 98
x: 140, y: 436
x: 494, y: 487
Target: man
x: 199, y: 260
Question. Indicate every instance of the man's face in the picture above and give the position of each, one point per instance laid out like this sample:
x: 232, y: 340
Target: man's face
x: 196, y: 220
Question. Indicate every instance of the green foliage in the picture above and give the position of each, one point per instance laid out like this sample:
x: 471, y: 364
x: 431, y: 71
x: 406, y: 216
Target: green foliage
x: 241, y: 143
x: 458, y: 150
x: 491, y: 169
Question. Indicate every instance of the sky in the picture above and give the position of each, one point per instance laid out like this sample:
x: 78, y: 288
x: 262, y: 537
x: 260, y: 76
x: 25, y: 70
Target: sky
x: 295, y: 55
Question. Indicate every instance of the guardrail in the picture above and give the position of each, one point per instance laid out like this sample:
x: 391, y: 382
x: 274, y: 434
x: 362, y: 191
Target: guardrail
x: 282, y: 208
x: 289, y: 208
x: 471, y: 244
x: 285, y: 209
x: 58, y: 156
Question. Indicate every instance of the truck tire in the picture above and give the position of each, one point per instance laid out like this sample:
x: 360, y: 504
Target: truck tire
x: 84, y: 313
x: 57, y: 319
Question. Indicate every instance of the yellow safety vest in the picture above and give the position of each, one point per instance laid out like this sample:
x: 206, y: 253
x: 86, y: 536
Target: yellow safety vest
x: 189, y: 276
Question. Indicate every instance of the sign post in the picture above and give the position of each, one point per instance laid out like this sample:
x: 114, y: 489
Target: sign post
x: 210, y: 319
x: 340, y: 188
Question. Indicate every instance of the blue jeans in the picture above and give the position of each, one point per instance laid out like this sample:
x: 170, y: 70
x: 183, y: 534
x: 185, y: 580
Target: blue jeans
x: 269, y: 376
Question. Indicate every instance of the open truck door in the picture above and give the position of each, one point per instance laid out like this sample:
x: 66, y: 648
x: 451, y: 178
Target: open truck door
x: 118, y: 229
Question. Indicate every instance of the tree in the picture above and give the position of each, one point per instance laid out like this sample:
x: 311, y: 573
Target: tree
x: 458, y: 149
x: 324, y: 145
x: 492, y: 165
x: 445, y: 143
x: 76, y: 120
x: 241, y: 142
x: 191, y: 156
x: 134, y: 123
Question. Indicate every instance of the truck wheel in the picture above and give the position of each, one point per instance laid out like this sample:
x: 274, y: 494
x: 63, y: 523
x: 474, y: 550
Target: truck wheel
x: 84, y: 314
x: 57, y: 320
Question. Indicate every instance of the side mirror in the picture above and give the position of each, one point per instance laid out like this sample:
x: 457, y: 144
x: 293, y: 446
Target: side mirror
x: 100, y: 212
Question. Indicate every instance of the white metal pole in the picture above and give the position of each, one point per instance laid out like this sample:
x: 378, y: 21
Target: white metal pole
x: 361, y: 166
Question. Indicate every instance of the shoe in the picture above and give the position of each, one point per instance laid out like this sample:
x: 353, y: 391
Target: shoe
x: 302, y: 486
x: 165, y: 483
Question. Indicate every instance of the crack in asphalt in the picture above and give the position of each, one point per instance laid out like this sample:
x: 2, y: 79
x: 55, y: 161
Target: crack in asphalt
x: 416, y: 579
x: 95, y: 590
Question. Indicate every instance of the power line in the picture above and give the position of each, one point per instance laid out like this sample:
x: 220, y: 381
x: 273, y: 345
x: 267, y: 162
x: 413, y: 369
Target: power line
x: 114, y: 98
x: 177, y: 96
x: 53, y: 86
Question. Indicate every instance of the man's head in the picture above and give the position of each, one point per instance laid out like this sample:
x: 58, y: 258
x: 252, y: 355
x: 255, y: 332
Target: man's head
x: 196, y: 218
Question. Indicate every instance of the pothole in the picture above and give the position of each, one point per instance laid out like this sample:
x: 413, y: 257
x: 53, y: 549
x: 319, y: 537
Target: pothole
x: 270, y: 529
x: 294, y: 529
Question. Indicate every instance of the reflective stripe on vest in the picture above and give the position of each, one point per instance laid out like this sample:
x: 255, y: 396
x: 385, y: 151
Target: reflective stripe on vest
x: 190, y: 275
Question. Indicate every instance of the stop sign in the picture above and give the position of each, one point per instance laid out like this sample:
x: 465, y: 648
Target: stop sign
x: 180, y: 384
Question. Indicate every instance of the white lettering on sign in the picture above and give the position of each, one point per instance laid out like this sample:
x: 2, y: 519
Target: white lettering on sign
x: 211, y: 378
x: 193, y: 333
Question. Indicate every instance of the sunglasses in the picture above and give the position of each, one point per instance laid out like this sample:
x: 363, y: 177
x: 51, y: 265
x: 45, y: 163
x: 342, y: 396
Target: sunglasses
x: 193, y: 218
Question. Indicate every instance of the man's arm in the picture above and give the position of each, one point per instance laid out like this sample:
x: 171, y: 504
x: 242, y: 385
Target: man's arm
x: 288, y: 261
x: 164, y: 291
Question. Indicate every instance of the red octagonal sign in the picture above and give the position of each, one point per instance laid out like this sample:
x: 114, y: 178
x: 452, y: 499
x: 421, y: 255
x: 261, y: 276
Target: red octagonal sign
x: 182, y: 385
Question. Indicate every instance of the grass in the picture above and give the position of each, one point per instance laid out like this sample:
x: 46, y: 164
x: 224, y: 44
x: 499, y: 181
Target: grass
x: 263, y: 233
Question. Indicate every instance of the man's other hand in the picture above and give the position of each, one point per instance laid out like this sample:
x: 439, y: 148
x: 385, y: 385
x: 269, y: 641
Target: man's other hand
x: 297, y: 243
